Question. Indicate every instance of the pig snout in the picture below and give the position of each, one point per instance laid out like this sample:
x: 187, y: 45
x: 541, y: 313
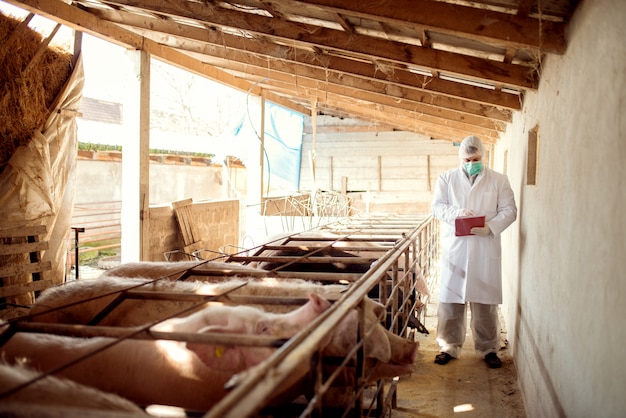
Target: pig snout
x: 389, y: 371
x: 403, y: 350
x: 294, y: 321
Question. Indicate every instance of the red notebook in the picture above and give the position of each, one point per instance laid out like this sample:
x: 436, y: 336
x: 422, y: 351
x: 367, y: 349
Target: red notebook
x: 464, y: 224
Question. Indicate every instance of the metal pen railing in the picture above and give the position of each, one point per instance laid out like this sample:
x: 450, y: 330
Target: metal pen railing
x: 410, y: 251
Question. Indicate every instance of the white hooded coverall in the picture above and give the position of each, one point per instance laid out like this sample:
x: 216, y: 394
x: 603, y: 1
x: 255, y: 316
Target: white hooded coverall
x: 471, y: 265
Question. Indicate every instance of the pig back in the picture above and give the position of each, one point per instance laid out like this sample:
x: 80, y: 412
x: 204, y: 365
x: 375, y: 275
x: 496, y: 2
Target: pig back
x: 79, y: 302
x: 53, y: 391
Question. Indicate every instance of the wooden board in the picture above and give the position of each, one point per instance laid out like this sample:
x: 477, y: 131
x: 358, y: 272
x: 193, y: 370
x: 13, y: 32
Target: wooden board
x: 21, y: 288
x: 182, y: 210
x: 22, y: 270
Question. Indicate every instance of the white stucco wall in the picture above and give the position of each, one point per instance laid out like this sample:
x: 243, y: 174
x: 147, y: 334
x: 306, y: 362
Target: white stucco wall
x: 168, y: 182
x: 563, y: 258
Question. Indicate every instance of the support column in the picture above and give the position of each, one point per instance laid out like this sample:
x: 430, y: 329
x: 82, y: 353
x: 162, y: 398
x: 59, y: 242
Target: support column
x: 136, y: 160
x: 262, y: 154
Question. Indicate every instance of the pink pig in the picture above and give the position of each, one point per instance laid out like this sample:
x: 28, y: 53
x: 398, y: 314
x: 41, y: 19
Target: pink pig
x: 220, y: 319
x: 163, y: 372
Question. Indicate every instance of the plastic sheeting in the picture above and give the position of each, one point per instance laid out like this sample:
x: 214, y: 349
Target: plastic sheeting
x: 37, y: 185
x: 282, y: 148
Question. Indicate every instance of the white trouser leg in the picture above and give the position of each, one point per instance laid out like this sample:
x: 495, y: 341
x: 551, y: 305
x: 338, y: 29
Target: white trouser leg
x: 485, y: 328
x: 451, y: 328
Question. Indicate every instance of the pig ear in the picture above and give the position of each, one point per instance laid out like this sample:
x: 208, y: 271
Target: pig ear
x: 377, y: 344
x: 263, y: 328
x: 215, y: 356
x: 377, y: 308
x: 320, y: 304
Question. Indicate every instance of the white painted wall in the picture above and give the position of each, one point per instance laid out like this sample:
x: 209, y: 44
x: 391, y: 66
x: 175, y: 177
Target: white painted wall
x: 563, y: 258
x: 168, y: 182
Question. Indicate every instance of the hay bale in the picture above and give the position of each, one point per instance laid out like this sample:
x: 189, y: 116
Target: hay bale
x: 25, y: 97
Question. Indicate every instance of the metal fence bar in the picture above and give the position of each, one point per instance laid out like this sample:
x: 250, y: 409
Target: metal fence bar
x: 248, y: 397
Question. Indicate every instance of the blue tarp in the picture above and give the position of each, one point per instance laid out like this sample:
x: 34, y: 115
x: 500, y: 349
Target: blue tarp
x: 282, y: 147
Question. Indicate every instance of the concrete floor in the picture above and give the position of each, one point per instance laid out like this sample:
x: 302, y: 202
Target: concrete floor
x: 465, y: 387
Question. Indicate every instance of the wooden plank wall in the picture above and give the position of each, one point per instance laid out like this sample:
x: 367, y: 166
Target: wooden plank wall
x: 399, y: 169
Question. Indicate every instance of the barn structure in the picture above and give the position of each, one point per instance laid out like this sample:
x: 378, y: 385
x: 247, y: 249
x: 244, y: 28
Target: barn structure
x: 386, y: 88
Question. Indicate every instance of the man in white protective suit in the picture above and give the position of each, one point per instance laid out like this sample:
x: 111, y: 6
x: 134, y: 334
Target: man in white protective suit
x: 471, y: 271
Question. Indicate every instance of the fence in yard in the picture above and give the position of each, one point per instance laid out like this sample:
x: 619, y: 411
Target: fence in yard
x: 97, y: 227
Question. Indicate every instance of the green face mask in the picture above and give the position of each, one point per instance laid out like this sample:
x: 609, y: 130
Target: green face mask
x: 473, y: 167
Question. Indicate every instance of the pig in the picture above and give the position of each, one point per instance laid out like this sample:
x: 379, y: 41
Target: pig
x: 174, y: 270
x: 223, y: 320
x: 163, y: 372
x: 387, y: 355
x: 399, y: 362
x: 51, y: 391
x: 331, y: 241
x: 294, y: 250
x: 98, y: 293
x: 145, y: 372
x: 78, y: 302
x: 381, y: 344
x: 303, y: 265
x: 394, y: 355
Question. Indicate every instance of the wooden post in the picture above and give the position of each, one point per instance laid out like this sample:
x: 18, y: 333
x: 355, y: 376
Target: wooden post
x: 331, y: 173
x: 314, y: 135
x: 262, y: 154
x: 78, y: 46
x: 135, y: 164
x: 144, y: 157
x: 430, y: 187
x: 380, y: 173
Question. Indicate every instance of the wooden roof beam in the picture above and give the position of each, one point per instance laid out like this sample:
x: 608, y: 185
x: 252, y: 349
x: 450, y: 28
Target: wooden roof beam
x: 344, y: 23
x: 524, y: 8
x: 352, y: 98
x: 281, y: 54
x: 82, y: 21
x: 377, y: 92
x: 426, y: 120
x: 515, y: 76
x: 518, y: 31
x: 408, y: 123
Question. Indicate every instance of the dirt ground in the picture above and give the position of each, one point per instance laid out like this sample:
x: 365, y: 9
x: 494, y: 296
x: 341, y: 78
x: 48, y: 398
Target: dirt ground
x: 464, y: 387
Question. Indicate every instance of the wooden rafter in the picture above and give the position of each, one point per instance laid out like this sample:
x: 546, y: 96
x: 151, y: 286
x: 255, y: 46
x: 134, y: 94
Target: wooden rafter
x: 69, y: 16
x: 376, y: 91
x: 366, y: 47
x: 316, y: 65
x: 519, y: 31
x: 389, y: 112
x: 441, y: 67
